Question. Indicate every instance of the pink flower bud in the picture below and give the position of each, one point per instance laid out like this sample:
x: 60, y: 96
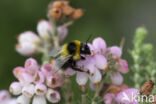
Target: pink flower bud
x: 26, y: 49
x: 4, y: 95
x: 108, y: 98
x: 47, y: 69
x: 40, y: 89
x: 96, y: 78
x: 81, y: 78
x: 54, y: 81
x: 31, y: 66
x: 23, y: 100
x: 44, y: 29
x: 17, y: 71
x: 116, y: 78
x: 62, y: 33
x: 15, y: 88
x: 29, y: 37
x: 116, y: 51
x: 28, y: 90
x: 101, y: 62
x: 39, y: 100
x: 39, y: 77
x: 123, y: 66
x: 99, y: 45
x: 53, y: 96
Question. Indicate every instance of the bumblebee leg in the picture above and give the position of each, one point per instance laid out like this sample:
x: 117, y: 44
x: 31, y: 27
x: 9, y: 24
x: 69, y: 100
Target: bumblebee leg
x: 83, y: 58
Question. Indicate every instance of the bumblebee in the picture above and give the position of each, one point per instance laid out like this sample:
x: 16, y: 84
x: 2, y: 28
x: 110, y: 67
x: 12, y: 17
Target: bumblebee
x: 69, y: 54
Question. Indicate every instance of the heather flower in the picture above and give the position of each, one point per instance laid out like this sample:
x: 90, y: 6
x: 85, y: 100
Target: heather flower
x: 28, y: 43
x: 53, y: 96
x: 115, y: 51
x: 116, y: 78
x: 32, y: 84
x: 128, y: 96
x: 44, y: 29
x: 123, y: 66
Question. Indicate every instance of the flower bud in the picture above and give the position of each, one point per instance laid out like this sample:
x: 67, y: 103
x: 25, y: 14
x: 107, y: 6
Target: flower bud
x: 96, y: 78
x: 25, y: 78
x: 55, y: 13
x: 44, y: 29
x: 99, y: 45
x: 26, y: 49
x: 78, y: 13
x: 17, y: 71
x: 47, y: 69
x: 81, y: 78
x: 53, y: 96
x: 28, y: 90
x: 40, y: 89
x: 31, y: 66
x: 62, y: 33
x: 15, y: 88
x: 59, y: 4
x: 23, y: 100
x: 123, y: 66
x: 29, y: 37
x: 39, y: 100
x: 100, y: 61
x: 4, y: 95
x: 116, y: 78
x: 54, y: 81
x: 116, y: 51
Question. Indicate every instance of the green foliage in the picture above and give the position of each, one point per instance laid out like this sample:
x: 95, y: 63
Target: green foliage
x: 142, y: 54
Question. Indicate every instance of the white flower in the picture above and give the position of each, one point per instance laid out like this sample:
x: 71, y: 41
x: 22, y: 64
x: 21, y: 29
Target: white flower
x: 28, y: 90
x: 23, y: 100
x: 15, y: 88
x: 40, y: 89
x: 53, y: 96
x: 44, y: 29
x: 39, y: 100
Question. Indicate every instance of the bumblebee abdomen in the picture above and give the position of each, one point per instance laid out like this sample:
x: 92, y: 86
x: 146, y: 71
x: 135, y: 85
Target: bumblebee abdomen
x: 72, y: 48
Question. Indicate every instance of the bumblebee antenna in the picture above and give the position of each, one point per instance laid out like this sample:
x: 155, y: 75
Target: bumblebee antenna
x: 89, y: 38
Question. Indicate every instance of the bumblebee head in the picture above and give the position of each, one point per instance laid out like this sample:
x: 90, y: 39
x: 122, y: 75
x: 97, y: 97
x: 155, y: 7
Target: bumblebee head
x: 85, y: 49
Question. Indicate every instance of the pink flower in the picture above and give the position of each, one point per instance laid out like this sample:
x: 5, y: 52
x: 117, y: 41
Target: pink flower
x: 44, y: 28
x: 99, y: 45
x: 28, y: 90
x: 17, y: 71
x: 31, y: 66
x: 47, y: 69
x: 116, y: 51
x: 54, y: 81
x: 123, y: 66
x: 117, y: 78
x: 4, y: 95
x: 53, y: 96
x: 40, y: 89
x: 39, y: 77
x: 128, y: 96
x: 109, y: 99
x: 101, y: 62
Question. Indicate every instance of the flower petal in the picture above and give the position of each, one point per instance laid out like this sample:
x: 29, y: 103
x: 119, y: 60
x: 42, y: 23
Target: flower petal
x: 40, y: 89
x: 116, y: 51
x: 15, y: 88
x: 39, y: 100
x: 99, y: 45
x: 28, y: 90
x: 96, y: 78
x: 81, y: 78
x: 69, y: 72
x: 62, y: 33
x: 123, y: 66
x: 31, y: 66
x: 23, y: 100
x: 117, y: 78
x: 101, y: 61
x: 53, y: 96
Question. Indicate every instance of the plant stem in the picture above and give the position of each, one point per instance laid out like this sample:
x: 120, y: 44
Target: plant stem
x: 83, y: 96
x: 96, y: 94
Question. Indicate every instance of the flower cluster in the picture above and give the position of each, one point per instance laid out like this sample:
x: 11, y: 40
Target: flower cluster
x: 30, y: 43
x: 102, y: 60
x: 36, y: 83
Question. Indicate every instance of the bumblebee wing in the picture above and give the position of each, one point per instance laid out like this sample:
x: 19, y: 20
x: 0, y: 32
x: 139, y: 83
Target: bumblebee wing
x: 55, y: 52
x: 60, y: 61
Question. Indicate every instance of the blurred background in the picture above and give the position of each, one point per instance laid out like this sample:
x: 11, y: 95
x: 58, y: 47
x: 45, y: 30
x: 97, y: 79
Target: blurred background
x: 110, y: 19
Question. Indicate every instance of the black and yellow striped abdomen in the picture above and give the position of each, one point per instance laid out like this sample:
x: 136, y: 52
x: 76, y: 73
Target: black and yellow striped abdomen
x: 72, y: 48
